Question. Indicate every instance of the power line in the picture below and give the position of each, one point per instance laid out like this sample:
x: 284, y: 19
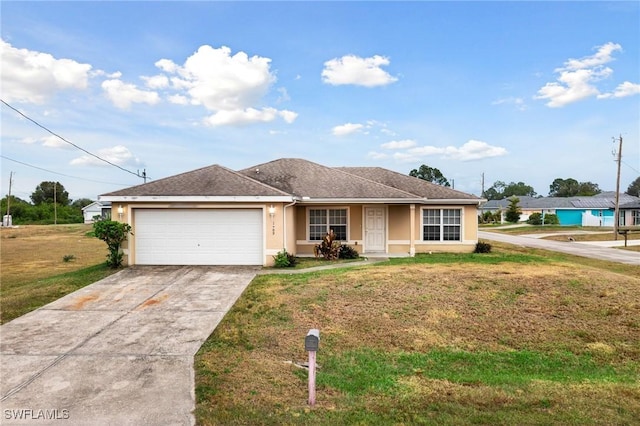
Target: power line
x: 71, y: 143
x: 61, y: 174
x: 630, y: 166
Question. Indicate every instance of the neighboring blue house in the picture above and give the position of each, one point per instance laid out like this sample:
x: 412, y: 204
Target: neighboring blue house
x: 597, y: 210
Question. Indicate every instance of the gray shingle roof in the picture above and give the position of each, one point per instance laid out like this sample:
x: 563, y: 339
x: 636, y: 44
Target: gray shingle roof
x: 634, y: 205
x: 407, y: 183
x: 298, y: 178
x: 304, y: 178
x: 208, y: 181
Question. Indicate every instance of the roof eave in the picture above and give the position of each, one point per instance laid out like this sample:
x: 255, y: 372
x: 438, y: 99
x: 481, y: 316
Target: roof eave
x: 424, y: 201
x: 469, y: 201
x: 310, y: 200
x: 197, y: 198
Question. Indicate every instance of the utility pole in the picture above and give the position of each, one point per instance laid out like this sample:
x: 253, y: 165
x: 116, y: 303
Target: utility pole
x: 143, y: 175
x: 9, y: 200
x: 482, y: 193
x: 55, y: 203
x: 617, y: 209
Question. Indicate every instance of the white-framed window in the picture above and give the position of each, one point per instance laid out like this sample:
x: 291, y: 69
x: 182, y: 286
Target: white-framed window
x: 442, y: 225
x: 635, y: 217
x: 322, y: 220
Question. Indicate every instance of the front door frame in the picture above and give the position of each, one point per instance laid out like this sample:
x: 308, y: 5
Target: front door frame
x: 375, y: 236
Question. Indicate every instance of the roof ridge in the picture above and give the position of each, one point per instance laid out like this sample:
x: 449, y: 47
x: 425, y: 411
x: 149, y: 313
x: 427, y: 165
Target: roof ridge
x: 255, y: 181
x: 377, y: 183
x: 332, y: 170
x: 422, y: 181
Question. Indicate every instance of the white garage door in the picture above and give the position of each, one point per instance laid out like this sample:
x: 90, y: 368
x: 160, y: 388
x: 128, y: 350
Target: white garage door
x: 198, y: 237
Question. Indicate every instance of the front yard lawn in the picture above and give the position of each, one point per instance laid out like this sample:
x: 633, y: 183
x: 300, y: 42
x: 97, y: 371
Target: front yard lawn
x: 517, y: 336
x: 41, y: 263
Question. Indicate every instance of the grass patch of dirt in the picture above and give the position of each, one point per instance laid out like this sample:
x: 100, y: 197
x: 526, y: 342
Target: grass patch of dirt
x: 33, y: 270
x: 529, y: 339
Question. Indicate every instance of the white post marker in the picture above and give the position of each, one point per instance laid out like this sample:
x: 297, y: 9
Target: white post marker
x: 311, y: 344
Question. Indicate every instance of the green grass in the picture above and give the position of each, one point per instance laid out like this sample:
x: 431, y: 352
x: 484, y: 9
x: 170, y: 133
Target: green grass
x: 473, y: 258
x: 24, y: 297
x: 367, y: 370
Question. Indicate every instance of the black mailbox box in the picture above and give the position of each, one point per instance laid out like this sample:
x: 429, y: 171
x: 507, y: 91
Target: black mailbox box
x: 312, y: 341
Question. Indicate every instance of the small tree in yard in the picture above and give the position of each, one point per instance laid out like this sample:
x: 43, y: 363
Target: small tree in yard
x: 513, y: 211
x: 114, y: 234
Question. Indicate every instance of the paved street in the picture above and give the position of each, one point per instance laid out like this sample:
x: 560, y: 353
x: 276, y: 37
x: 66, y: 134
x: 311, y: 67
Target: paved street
x: 594, y: 251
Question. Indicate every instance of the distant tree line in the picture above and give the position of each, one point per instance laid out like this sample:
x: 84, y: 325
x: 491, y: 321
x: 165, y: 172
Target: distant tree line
x: 500, y: 190
x: 50, y: 203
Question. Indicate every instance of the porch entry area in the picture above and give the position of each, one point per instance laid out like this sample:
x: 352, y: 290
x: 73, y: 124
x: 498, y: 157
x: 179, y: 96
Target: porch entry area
x: 374, y: 229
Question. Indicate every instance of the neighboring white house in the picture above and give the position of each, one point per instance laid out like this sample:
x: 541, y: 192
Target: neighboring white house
x: 97, y: 208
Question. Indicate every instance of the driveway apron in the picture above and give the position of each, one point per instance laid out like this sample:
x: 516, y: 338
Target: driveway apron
x: 117, y: 352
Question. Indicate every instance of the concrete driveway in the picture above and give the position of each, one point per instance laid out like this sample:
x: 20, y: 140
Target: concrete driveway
x: 117, y: 352
x: 593, y: 251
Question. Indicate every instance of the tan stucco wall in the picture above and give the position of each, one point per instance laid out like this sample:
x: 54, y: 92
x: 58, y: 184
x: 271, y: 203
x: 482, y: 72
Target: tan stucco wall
x: 397, y: 223
x: 398, y: 229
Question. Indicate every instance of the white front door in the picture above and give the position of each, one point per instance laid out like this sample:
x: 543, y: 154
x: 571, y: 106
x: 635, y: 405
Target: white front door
x: 374, y: 233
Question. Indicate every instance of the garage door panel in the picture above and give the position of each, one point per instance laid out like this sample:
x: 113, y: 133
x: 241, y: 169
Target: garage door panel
x: 199, y: 237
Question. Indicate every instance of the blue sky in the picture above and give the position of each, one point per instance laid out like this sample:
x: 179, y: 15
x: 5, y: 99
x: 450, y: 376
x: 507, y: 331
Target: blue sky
x: 517, y: 91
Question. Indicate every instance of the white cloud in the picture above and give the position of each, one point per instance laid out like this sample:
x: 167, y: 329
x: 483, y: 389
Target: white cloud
x: 123, y: 95
x: 288, y: 116
x: 220, y: 81
x: 28, y: 141
x: 475, y: 150
x: 346, y: 129
x: 33, y: 77
x: 517, y: 102
x: 601, y: 57
x: 284, y: 95
x: 351, y: 69
x: 101, y: 73
x: 54, y: 142
x: 240, y: 117
x: 230, y: 86
x: 178, y: 99
x: 573, y: 86
x: 470, y: 151
x: 119, y: 155
x: 404, y: 157
x: 403, y: 144
x: 156, y: 81
x: 167, y: 65
x: 576, y: 79
x: 623, y: 90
